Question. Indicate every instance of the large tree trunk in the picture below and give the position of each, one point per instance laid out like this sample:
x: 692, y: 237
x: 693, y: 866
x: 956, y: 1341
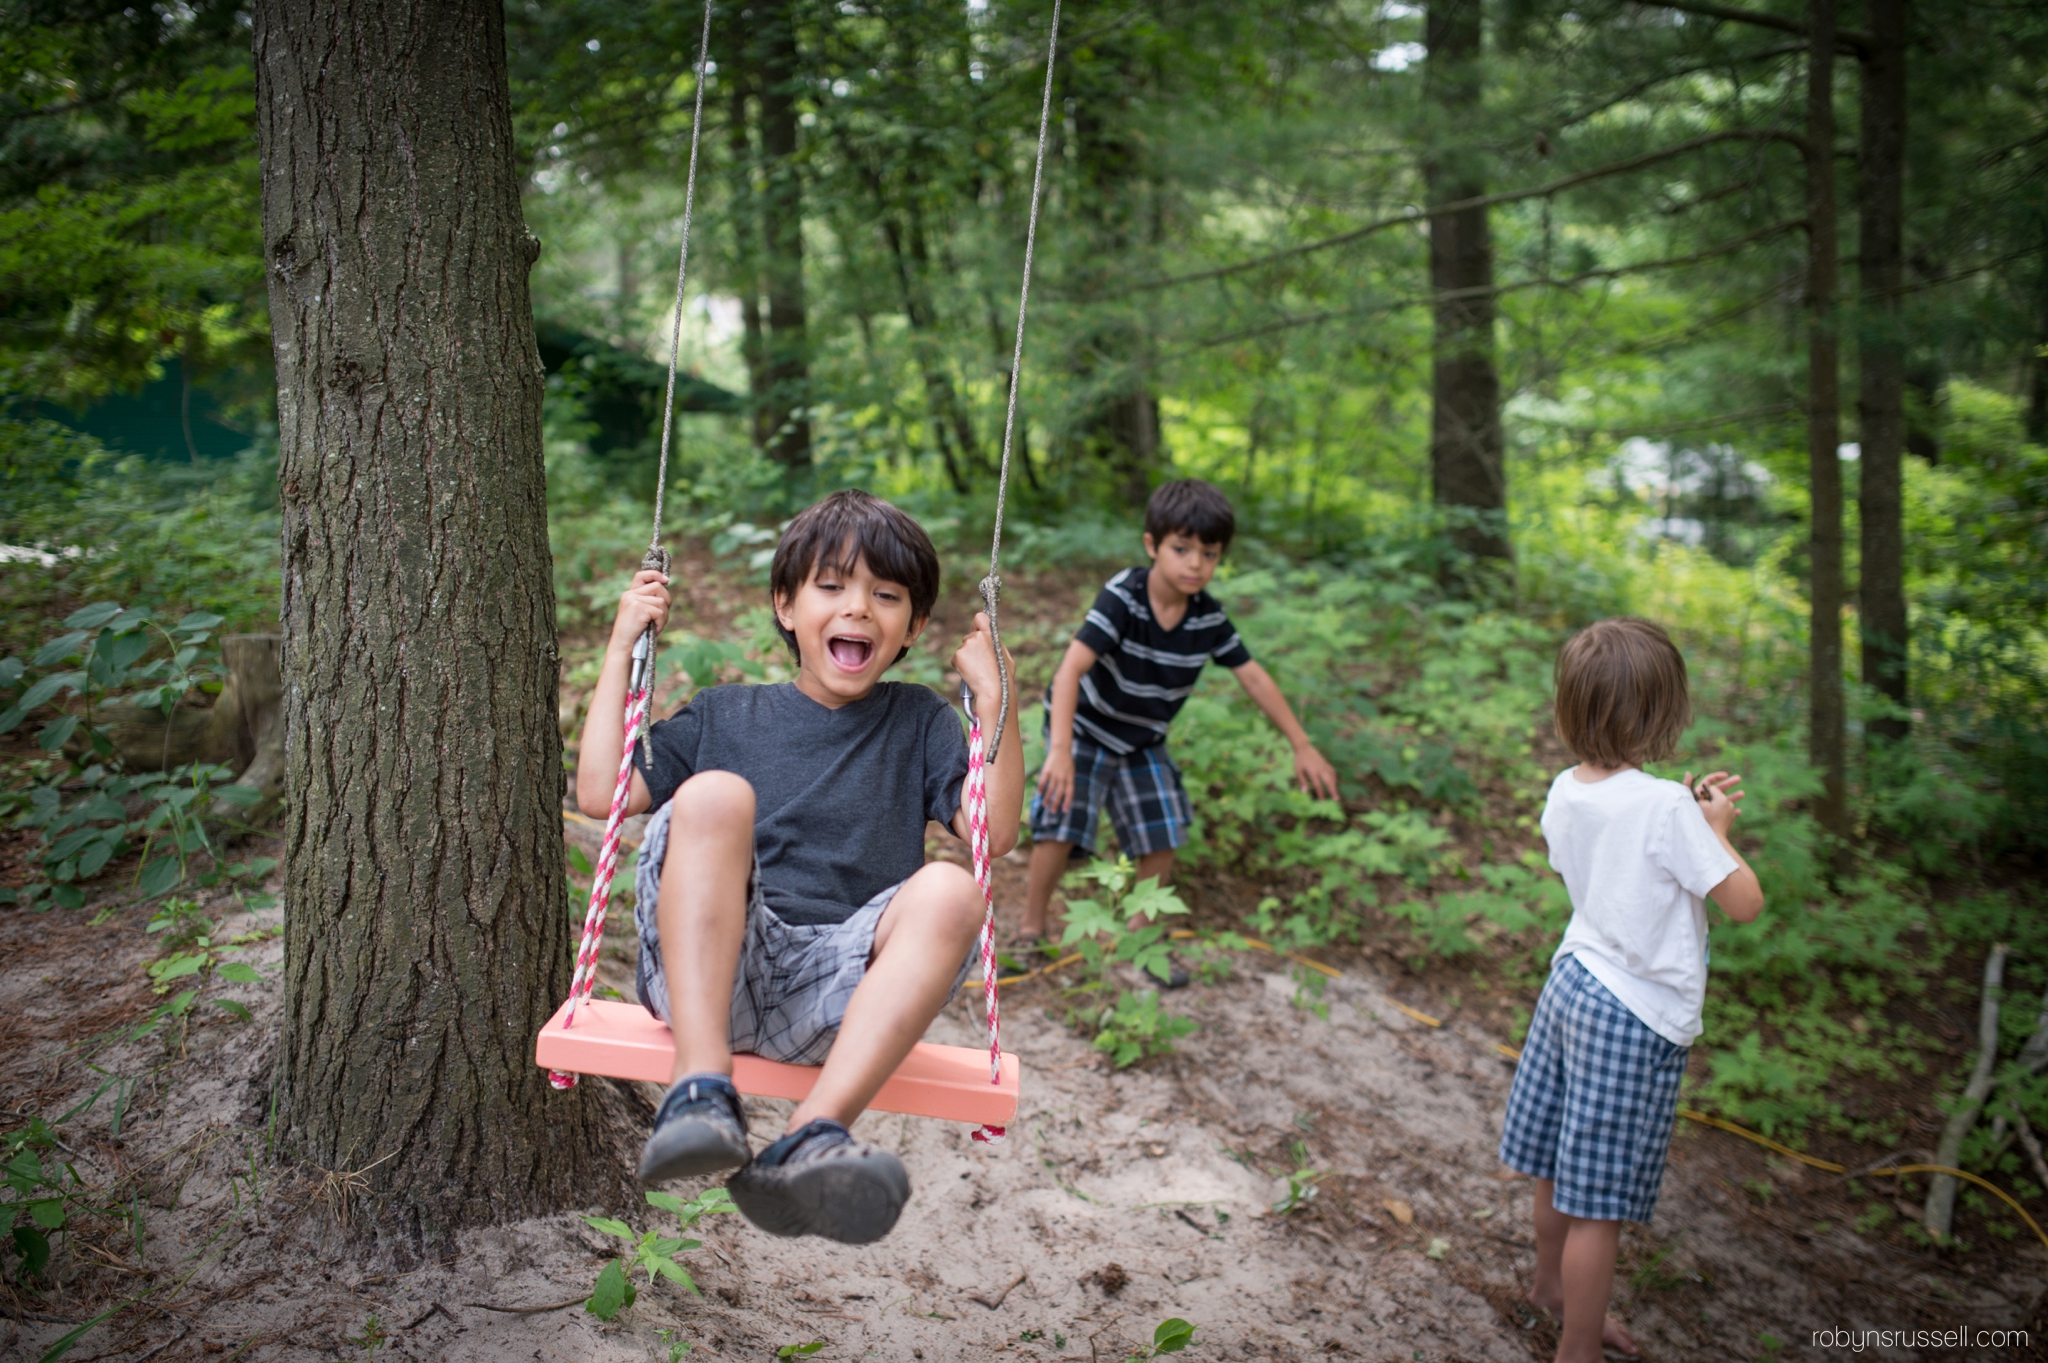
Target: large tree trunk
x: 426, y: 934
x: 1467, y: 473
x: 1881, y: 427
x: 746, y: 233
x: 1823, y: 423
x: 1117, y: 422
x: 789, y: 363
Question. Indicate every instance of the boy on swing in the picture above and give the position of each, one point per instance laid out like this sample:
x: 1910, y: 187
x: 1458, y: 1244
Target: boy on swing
x: 1130, y: 668
x: 785, y: 907
x: 1596, y: 1089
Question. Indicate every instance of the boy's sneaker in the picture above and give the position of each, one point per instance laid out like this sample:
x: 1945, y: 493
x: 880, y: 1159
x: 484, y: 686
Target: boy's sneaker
x: 699, y: 1129
x: 818, y: 1180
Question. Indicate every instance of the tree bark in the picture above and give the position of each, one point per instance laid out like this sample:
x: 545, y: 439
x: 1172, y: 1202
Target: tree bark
x: 427, y: 937
x: 789, y: 365
x: 1881, y: 353
x: 746, y: 232
x: 1823, y: 426
x: 1468, y: 475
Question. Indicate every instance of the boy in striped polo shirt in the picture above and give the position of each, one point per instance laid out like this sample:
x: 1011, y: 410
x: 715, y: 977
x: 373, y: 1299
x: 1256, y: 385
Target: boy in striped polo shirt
x: 1132, y: 665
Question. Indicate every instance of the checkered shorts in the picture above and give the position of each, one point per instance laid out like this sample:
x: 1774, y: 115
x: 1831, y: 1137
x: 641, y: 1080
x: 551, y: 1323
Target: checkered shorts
x: 794, y: 979
x: 1148, y: 805
x: 1594, y: 1098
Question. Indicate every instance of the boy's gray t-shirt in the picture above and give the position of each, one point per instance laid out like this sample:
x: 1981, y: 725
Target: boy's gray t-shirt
x: 840, y: 796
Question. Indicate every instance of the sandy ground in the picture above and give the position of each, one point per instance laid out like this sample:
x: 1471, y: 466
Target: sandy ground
x: 1119, y: 1200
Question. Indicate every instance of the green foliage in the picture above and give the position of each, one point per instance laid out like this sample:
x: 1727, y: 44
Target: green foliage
x: 800, y: 1350
x: 1136, y: 1027
x: 650, y: 1252
x: 78, y: 799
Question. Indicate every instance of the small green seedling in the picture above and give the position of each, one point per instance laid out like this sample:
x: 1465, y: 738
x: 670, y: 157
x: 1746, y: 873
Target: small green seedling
x: 1301, y: 1190
x: 674, y: 1342
x: 1136, y: 1027
x: 1173, y: 1335
x: 652, y: 1252
x: 800, y: 1350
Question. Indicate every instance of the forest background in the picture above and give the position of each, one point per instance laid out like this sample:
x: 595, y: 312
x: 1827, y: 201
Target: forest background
x: 1492, y: 319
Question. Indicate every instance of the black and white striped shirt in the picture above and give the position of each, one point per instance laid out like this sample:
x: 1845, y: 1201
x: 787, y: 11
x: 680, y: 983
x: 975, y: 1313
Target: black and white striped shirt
x: 1144, y: 674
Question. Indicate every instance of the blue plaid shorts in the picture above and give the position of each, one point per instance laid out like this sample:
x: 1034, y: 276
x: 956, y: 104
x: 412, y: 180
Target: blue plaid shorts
x: 1594, y: 1098
x: 1148, y: 805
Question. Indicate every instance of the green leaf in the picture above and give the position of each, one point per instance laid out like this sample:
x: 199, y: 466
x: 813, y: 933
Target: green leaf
x: 34, y: 1248
x: 47, y: 1212
x: 11, y: 718
x: 56, y: 733
x: 255, y: 870
x: 610, y: 1227
x: 244, y: 796
x: 1172, y: 1336
x: 197, y: 621
x: 668, y: 1202
x: 158, y: 877
x: 182, y: 1004
x: 579, y: 861
x: 675, y: 1273
x: 129, y: 619
x: 800, y: 1350
x: 60, y: 648
x: 48, y: 687
x: 239, y: 972
x: 95, y: 857
x: 612, y: 1292
x: 70, y: 843
x: 93, y: 616
x: 10, y: 671
x: 68, y: 896
x: 229, y: 1005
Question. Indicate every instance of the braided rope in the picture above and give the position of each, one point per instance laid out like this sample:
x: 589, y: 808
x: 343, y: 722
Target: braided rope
x: 977, y: 830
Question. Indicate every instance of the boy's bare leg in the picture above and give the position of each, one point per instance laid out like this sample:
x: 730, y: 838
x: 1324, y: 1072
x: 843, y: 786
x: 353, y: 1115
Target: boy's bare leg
x: 923, y: 937
x: 702, y: 915
x: 1048, y: 864
x: 1575, y: 1279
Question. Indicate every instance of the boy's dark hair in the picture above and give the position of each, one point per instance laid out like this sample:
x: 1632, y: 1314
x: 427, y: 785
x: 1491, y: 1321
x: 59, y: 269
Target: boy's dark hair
x: 832, y: 535
x: 1189, y: 506
x: 1621, y: 693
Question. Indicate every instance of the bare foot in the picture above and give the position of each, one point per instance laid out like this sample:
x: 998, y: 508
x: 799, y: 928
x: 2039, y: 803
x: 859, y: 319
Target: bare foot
x: 1613, y: 1334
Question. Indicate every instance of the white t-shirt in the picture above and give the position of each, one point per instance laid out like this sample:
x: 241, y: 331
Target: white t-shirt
x: 1638, y: 858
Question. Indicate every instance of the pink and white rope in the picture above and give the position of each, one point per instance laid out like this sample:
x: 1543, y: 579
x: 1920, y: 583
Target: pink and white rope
x: 977, y: 828
x: 607, y: 864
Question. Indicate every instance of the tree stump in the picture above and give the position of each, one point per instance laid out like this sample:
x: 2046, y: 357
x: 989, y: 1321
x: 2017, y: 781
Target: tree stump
x: 243, y: 729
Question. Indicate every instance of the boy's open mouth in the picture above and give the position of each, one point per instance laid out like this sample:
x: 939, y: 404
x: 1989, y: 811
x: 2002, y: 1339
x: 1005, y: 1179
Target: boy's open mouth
x: 849, y: 651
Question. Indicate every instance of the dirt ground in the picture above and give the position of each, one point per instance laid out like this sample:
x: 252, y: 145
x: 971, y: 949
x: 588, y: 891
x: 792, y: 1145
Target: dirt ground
x: 1120, y: 1199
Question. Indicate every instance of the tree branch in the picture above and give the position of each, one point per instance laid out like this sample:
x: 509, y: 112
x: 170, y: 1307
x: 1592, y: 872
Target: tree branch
x: 1856, y: 43
x: 1539, y: 282
x: 1941, y: 1192
x: 1573, y: 180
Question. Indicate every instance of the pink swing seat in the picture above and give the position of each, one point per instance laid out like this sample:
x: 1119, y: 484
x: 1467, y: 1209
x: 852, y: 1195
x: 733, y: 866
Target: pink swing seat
x: 625, y: 1041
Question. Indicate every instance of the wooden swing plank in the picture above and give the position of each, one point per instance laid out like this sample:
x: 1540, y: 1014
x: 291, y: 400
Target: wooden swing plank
x: 625, y: 1041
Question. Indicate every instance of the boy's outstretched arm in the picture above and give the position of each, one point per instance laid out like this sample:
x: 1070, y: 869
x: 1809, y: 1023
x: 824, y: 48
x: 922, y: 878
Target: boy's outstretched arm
x: 976, y: 663
x: 604, y: 727
x: 1312, y: 771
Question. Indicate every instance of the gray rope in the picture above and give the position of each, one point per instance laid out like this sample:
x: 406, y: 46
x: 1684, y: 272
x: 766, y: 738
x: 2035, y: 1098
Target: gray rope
x: 657, y: 557
x: 675, y: 334
x: 992, y: 585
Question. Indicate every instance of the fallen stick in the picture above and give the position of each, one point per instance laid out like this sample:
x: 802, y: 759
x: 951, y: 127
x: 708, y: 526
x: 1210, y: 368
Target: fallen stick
x: 992, y: 1305
x: 2033, y: 1146
x: 527, y: 1310
x: 1941, y: 1191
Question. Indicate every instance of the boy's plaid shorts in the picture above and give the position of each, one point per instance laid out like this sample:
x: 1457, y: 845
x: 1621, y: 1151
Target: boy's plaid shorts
x: 794, y: 979
x: 1594, y: 1099
x: 1148, y: 805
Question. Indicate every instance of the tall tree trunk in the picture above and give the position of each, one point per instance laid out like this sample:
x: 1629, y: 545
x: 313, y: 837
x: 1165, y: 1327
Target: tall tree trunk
x: 789, y: 365
x: 1467, y: 473
x: 426, y: 935
x: 1823, y: 424
x: 1881, y: 426
x: 1118, y: 423
x: 746, y: 232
